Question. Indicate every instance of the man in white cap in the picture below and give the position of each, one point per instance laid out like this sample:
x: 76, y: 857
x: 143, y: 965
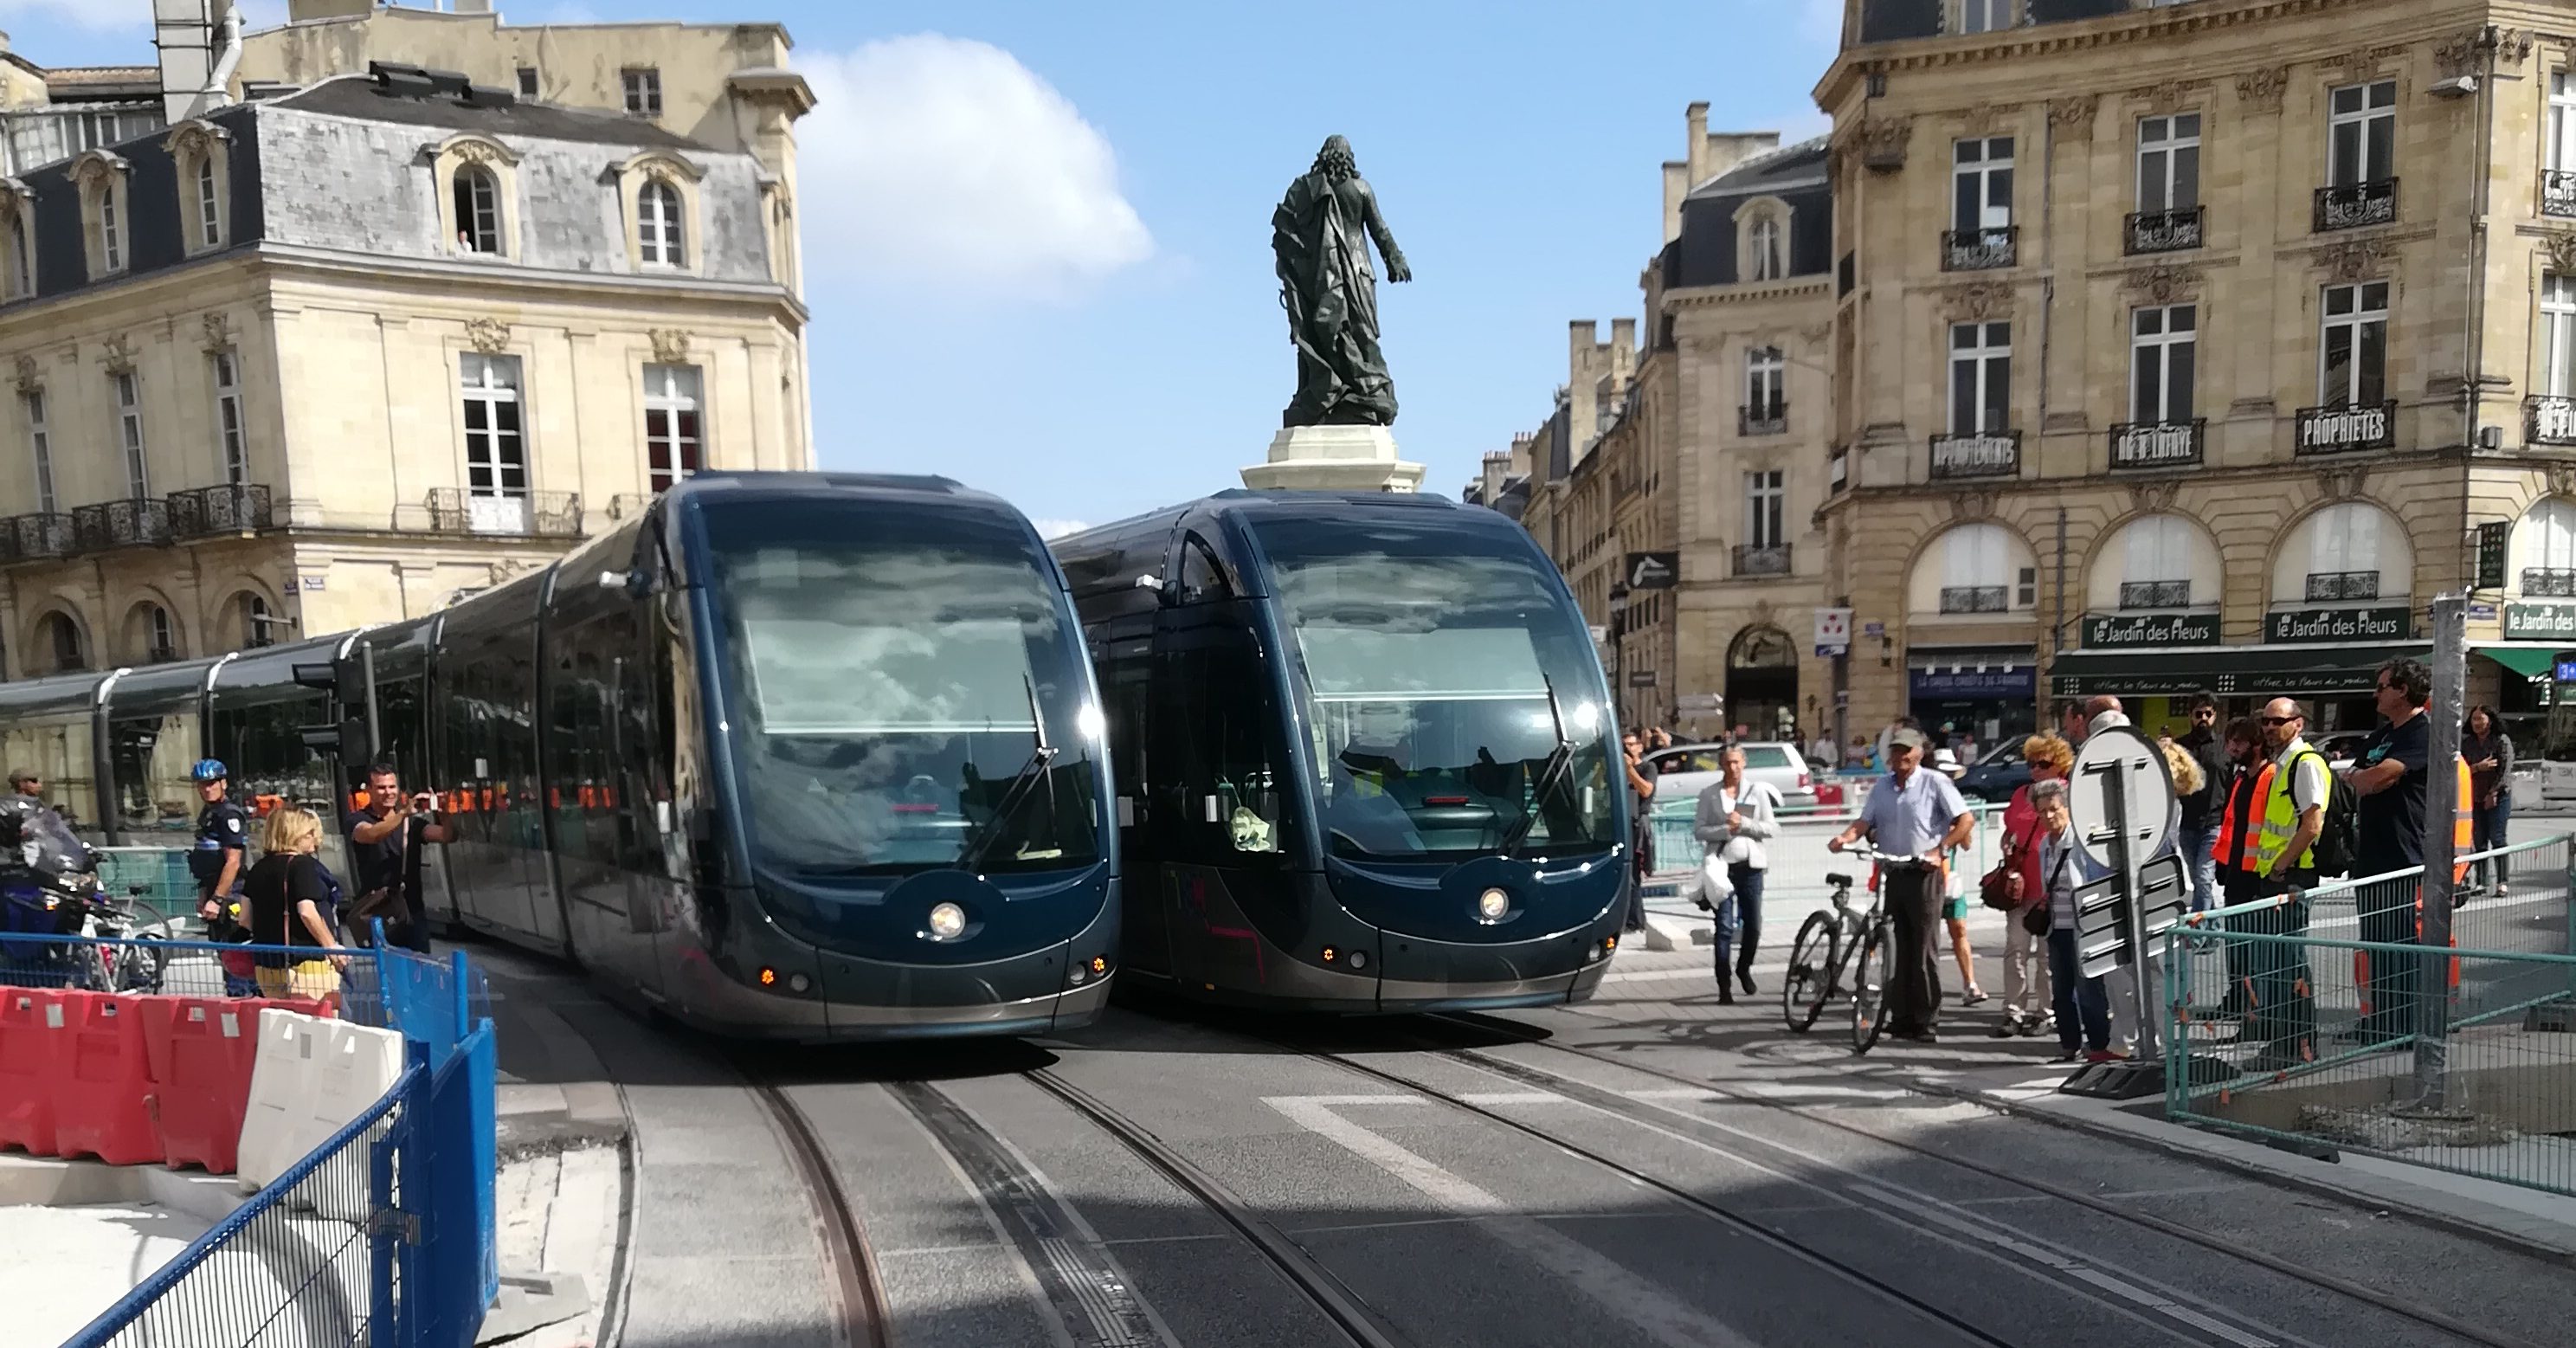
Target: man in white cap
x: 1911, y: 814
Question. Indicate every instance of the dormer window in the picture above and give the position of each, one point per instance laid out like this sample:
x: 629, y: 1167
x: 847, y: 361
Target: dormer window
x: 106, y: 240
x: 660, y: 237
x: 199, y: 161
x: 478, y: 210
x: 17, y: 241
x: 657, y: 196
x: 111, y: 238
x: 476, y: 178
x: 1762, y: 240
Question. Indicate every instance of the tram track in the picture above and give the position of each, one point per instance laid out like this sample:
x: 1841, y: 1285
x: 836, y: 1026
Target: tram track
x: 857, y: 1287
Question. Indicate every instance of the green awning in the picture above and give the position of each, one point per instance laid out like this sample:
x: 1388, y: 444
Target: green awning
x: 2526, y: 661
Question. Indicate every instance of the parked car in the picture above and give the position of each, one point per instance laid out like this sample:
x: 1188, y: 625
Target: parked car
x: 1689, y: 768
x: 1997, y: 775
x: 2342, y: 748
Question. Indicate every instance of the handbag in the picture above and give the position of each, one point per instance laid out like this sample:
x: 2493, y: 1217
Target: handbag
x: 2035, y: 919
x: 1995, y: 890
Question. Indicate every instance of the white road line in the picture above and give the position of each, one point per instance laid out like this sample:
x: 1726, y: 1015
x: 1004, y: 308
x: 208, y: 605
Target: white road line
x: 1619, y: 1291
x: 1645, y: 975
x: 1515, y: 1098
x: 1673, y: 1093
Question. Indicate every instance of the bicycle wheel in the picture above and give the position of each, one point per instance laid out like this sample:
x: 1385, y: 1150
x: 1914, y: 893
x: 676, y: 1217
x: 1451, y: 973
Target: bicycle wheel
x: 1809, y: 984
x: 1877, y: 974
x: 141, y: 966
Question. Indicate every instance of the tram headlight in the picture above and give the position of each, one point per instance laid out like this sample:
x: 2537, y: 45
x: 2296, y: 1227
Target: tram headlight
x: 947, y: 922
x: 1492, y: 904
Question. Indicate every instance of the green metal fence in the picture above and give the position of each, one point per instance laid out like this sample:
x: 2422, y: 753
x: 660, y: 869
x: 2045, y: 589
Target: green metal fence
x: 2322, y: 1023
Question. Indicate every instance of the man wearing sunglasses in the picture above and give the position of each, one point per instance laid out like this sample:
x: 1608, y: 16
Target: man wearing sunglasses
x: 2288, y: 817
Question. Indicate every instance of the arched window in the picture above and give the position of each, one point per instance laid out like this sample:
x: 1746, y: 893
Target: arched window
x: 658, y: 231
x: 60, y: 639
x: 111, y: 234
x: 2549, y: 549
x: 255, y: 621
x: 478, y: 209
x: 1770, y: 257
x: 152, y: 636
x: 2349, y: 550
x: 1975, y: 569
x: 210, y: 217
x: 22, y: 257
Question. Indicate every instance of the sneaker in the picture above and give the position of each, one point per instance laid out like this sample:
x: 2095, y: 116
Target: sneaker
x: 1975, y: 997
x: 2034, y: 1025
x: 2103, y: 1055
x: 1744, y: 975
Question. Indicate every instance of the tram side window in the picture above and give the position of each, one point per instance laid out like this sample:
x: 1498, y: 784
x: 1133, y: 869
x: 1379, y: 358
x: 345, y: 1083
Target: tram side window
x: 1233, y: 794
x: 57, y: 751
x: 516, y: 764
x: 583, y: 747
x: 1202, y: 579
x: 469, y: 745
x: 1126, y: 694
x: 399, y: 730
x: 152, y: 757
x: 643, y: 712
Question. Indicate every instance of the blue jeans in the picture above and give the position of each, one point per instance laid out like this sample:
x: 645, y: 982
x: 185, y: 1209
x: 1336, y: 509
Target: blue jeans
x: 1739, y: 915
x: 2081, y: 1002
x: 2487, y: 824
x: 2200, y: 857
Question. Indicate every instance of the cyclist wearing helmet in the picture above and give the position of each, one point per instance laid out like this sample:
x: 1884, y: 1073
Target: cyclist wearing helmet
x: 223, y: 830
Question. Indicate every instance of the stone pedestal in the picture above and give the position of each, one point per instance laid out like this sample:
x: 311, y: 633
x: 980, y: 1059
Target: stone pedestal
x: 1334, y: 458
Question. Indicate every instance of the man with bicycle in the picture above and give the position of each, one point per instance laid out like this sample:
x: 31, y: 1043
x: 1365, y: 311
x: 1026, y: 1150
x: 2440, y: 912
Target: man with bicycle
x: 1911, y: 813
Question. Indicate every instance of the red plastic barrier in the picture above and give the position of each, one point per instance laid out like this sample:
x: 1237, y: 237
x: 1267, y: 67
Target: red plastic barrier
x: 104, y: 1076
x: 199, y: 1051
x: 34, y: 1040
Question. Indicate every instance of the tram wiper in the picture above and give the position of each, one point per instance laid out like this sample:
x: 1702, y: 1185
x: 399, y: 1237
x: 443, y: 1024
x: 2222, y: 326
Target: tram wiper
x: 1558, y: 760
x: 1029, y: 776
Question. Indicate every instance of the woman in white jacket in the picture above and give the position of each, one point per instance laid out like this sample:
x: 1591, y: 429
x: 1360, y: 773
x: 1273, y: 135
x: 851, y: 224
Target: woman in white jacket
x: 1735, y: 818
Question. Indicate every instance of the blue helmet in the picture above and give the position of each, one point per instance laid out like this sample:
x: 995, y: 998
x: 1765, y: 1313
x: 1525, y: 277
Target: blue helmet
x: 208, y: 770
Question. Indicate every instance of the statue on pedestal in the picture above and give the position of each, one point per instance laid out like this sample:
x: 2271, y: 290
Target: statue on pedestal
x: 1320, y: 236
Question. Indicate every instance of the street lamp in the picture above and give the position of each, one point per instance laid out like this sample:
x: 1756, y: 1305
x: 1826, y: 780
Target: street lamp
x: 1619, y: 648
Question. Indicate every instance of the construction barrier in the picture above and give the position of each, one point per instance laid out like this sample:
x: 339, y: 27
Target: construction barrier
x: 31, y: 1053
x: 99, y: 1101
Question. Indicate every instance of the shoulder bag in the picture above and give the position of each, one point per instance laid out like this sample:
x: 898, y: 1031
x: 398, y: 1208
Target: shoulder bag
x: 1995, y: 890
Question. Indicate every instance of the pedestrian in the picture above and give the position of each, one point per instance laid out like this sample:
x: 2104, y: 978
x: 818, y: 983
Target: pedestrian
x: 2290, y: 815
x: 215, y: 862
x: 2072, y: 722
x: 1903, y: 723
x: 2390, y: 777
x: 2102, y: 713
x: 1641, y: 773
x: 27, y: 782
x: 2028, y: 1007
x: 2232, y: 849
x: 1825, y: 751
x: 1968, y: 748
x: 2489, y: 753
x: 1954, y: 896
x: 1911, y: 813
x: 385, y: 840
x: 1658, y: 739
x: 1735, y: 818
x: 2083, y: 1008
x: 290, y: 901
x: 1862, y: 758
x: 2199, y: 837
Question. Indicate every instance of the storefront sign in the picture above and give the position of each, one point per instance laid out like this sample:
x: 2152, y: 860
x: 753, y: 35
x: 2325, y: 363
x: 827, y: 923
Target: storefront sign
x: 2151, y: 629
x: 2540, y: 622
x: 1957, y: 683
x: 2492, y: 537
x: 2340, y: 624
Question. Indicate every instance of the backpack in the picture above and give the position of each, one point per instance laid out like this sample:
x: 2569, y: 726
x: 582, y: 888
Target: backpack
x: 2338, y: 844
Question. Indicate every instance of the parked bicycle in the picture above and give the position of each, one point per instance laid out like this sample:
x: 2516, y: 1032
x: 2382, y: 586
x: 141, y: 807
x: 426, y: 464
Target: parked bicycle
x: 1827, y: 947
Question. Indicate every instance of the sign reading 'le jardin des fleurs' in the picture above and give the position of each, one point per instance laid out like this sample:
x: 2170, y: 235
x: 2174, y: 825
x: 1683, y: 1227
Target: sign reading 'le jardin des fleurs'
x: 2151, y: 629
x: 2340, y: 624
x: 2539, y: 622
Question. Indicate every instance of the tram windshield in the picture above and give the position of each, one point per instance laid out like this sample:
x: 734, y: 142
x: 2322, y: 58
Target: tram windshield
x: 888, y: 680
x: 1440, y: 665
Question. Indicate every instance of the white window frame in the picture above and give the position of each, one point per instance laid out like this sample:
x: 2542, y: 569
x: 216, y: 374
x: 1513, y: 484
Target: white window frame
x: 1985, y: 16
x: 1984, y: 159
x: 2556, y: 347
x: 478, y: 218
x: 1766, y: 508
x: 210, y: 214
x: 2372, y: 120
x: 232, y: 443
x: 1770, y: 259
x: 492, y: 382
x: 1766, y: 382
x: 672, y: 391
x: 40, y: 447
x: 642, y: 86
x: 2156, y: 335
x: 2561, y: 146
x: 2344, y: 538
x: 2156, y: 549
x: 129, y: 434
x: 661, y: 234
x: 2367, y: 307
x: 2165, y: 144
x: 1991, y: 408
x: 111, y: 249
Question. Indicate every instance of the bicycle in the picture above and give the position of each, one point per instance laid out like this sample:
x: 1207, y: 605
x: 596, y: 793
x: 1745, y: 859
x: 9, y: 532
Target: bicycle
x: 1829, y: 942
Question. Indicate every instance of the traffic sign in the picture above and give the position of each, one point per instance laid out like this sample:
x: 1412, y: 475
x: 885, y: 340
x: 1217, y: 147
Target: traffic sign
x: 1653, y: 570
x: 1833, y: 631
x: 2102, y: 921
x: 2119, y: 758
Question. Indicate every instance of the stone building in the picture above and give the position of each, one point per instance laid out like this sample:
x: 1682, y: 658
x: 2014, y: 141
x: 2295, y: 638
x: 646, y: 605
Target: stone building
x: 2192, y: 344
x: 335, y: 355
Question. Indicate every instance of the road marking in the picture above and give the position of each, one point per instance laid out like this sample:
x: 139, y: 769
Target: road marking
x: 1645, y: 975
x: 1514, y: 1098
x: 1673, y: 1093
x: 1619, y: 1291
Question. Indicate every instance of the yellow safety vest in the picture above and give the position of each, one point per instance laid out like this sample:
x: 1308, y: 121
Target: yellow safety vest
x: 2281, y: 814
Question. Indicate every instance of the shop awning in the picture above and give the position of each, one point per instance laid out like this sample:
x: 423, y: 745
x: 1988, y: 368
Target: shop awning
x: 2280, y: 670
x: 2527, y: 661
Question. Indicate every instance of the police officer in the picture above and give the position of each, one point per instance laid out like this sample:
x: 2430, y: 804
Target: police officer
x: 216, y: 861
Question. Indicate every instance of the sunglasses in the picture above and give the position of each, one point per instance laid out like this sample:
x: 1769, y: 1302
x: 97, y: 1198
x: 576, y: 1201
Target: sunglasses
x: 2279, y: 720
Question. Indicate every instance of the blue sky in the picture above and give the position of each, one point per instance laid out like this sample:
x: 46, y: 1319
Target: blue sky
x: 1037, y: 233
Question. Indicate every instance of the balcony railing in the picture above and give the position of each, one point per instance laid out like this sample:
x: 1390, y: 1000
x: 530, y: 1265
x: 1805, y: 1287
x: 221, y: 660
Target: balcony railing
x: 39, y: 537
x: 1751, y: 561
x: 2558, y: 193
x: 120, y: 524
x: 2548, y: 582
x: 2158, y: 444
x: 2173, y: 231
x: 207, y: 511
x: 2356, y: 205
x: 2336, y: 430
x: 2548, y: 420
x: 1985, y: 454
x: 1974, y: 599
x: 2328, y: 586
x: 1762, y: 418
x: 1978, y: 249
x: 2155, y: 594
x: 543, y: 514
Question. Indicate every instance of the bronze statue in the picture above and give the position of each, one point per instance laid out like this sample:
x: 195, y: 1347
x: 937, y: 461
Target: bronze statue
x: 1330, y: 292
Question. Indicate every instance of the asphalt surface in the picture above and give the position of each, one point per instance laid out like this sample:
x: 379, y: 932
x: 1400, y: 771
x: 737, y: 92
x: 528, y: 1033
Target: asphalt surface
x: 1458, y: 1184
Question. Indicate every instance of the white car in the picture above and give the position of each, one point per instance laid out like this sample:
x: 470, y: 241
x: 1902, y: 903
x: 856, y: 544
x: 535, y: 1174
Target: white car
x: 1687, y: 769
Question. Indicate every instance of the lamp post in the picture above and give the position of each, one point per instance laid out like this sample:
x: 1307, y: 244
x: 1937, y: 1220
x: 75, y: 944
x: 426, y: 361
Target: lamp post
x: 1619, y: 649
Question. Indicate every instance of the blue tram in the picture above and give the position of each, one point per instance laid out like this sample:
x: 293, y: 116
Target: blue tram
x: 805, y: 756
x: 1364, y: 751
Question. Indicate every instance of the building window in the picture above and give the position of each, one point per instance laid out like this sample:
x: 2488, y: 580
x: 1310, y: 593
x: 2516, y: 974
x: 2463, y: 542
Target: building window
x: 160, y: 635
x: 674, y: 439
x: 496, y: 461
x: 129, y: 435
x: 2343, y: 540
x: 2353, y: 356
x: 1766, y: 507
x: 478, y: 209
x: 2156, y: 572
x: 643, y: 91
x: 2168, y: 163
x: 1985, y: 16
x: 1980, y: 377
x: 228, y: 418
x: 111, y: 240
x: 255, y: 622
x: 657, y: 225
x: 527, y: 81
x: 22, y: 256
x: 1766, y: 374
x: 2162, y: 346
x: 210, y: 215
x: 40, y: 444
x: 1981, y: 184
x: 1769, y: 259
x: 2362, y: 130
x: 2557, y: 336
x: 58, y: 634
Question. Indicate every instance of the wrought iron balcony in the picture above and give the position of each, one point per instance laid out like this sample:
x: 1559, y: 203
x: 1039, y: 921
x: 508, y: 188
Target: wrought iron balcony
x: 39, y: 537
x: 1985, y: 454
x: 2155, y: 594
x: 2356, y: 205
x: 542, y: 514
x: 1979, y: 249
x: 2558, y: 193
x: 2335, y: 430
x: 2548, y: 582
x: 2327, y: 586
x: 207, y: 511
x: 1975, y: 599
x: 2548, y: 420
x: 1751, y: 561
x: 2173, y: 231
x: 2158, y: 444
x: 1771, y: 418
x: 121, y: 524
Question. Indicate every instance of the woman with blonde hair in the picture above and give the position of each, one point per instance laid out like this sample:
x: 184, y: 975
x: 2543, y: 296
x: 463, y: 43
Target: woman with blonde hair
x: 290, y: 895
x: 2027, y: 1005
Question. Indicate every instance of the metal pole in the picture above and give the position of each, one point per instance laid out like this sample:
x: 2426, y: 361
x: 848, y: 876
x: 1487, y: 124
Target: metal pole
x: 375, y: 717
x: 2441, y: 803
x: 2057, y: 605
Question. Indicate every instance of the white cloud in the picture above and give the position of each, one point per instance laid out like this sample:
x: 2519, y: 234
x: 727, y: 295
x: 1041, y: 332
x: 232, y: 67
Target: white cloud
x: 1055, y: 529
x: 938, y: 161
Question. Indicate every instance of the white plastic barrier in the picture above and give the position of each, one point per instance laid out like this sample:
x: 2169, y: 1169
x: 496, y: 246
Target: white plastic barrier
x: 354, y: 1071
x: 283, y: 1077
